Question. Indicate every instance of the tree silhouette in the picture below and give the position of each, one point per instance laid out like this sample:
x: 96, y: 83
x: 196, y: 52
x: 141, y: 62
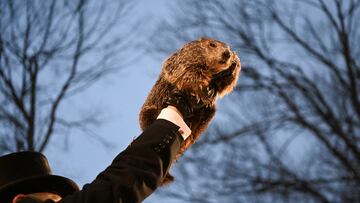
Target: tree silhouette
x: 291, y: 130
x: 49, y: 52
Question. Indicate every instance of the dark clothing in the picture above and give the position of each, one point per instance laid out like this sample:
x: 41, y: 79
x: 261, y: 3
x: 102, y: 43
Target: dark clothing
x: 137, y: 171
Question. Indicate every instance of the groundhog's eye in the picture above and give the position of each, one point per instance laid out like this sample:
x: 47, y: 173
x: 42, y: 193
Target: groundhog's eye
x: 212, y: 44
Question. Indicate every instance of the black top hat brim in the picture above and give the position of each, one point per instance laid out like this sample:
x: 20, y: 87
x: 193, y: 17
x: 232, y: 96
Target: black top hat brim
x: 47, y: 183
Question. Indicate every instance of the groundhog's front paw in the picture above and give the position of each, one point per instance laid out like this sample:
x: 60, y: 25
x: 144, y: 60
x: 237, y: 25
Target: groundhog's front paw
x: 223, y: 81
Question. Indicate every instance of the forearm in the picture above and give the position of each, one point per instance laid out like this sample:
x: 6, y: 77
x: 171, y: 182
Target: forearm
x: 137, y: 171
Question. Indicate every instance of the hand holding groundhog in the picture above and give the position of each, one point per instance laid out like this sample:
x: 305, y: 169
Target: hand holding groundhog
x: 192, y: 79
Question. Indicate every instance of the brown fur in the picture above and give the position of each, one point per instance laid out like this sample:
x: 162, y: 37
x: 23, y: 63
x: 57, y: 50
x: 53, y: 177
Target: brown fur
x: 193, y: 69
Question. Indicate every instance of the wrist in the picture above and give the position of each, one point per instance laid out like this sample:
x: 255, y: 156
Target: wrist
x: 172, y: 114
x: 176, y: 110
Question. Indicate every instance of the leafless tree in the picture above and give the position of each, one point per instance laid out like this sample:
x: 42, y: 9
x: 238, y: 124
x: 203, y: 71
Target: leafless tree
x: 49, y: 52
x: 291, y: 130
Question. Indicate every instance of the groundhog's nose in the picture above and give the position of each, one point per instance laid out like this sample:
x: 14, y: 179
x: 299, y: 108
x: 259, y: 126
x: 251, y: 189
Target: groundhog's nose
x: 225, y: 55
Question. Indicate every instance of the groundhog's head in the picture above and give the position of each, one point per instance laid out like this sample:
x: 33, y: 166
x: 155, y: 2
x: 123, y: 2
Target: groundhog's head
x: 203, y: 64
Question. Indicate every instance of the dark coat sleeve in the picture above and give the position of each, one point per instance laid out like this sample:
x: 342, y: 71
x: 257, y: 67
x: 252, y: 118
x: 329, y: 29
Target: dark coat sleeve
x: 137, y: 171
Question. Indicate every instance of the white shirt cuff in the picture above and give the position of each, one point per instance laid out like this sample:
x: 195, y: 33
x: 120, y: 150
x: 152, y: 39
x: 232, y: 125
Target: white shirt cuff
x: 173, y: 115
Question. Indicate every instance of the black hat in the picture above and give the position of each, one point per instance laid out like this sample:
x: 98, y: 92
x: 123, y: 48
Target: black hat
x: 29, y: 172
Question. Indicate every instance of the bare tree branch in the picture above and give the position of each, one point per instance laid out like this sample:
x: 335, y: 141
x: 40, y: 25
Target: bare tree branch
x: 45, y: 52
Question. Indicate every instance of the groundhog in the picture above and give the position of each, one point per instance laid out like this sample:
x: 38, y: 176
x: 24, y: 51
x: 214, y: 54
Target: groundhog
x: 204, y: 69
